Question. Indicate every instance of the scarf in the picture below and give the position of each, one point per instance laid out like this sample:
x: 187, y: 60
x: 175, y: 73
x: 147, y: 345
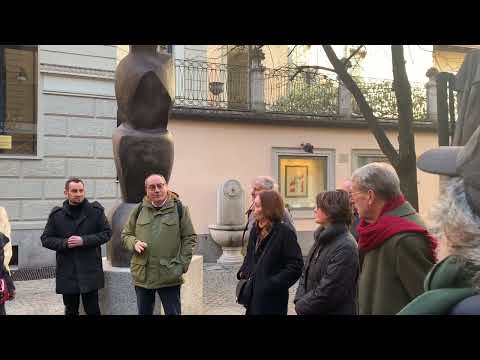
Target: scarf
x: 375, y: 234
x: 264, y: 227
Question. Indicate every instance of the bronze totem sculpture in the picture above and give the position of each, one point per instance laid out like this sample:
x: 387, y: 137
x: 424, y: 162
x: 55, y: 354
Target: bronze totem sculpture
x: 142, y: 145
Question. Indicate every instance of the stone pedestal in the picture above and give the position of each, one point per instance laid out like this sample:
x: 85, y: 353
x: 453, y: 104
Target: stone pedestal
x: 431, y: 88
x: 345, y: 105
x: 118, y: 296
x: 229, y: 237
x: 117, y: 255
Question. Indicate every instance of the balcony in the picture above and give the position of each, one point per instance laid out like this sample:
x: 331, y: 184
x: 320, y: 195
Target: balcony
x: 211, y: 86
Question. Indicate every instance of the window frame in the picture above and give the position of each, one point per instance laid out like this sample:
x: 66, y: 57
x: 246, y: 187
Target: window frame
x: 329, y: 154
x: 356, y: 153
x: 37, y: 106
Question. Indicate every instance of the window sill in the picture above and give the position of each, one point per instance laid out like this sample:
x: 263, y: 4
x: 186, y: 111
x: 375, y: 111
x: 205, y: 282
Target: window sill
x: 21, y: 157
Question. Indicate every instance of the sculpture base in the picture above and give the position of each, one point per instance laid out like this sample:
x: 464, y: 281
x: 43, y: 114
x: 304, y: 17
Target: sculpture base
x: 229, y: 237
x: 118, y: 296
x: 118, y: 216
x: 231, y: 255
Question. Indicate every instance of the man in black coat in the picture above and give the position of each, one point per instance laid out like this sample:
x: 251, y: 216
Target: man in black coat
x: 76, y: 231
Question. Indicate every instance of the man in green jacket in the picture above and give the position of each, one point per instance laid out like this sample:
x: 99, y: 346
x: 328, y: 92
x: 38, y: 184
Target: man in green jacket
x: 161, y: 236
x: 396, y: 252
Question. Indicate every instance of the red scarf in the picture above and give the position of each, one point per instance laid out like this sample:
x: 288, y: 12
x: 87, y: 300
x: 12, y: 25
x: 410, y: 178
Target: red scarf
x: 373, y: 235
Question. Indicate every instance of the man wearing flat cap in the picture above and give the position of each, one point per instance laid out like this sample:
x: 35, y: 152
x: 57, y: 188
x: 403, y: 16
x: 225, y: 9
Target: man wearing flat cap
x: 452, y: 286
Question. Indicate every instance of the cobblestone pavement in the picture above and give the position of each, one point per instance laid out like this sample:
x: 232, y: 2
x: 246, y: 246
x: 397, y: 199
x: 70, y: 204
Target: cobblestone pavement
x: 38, y: 297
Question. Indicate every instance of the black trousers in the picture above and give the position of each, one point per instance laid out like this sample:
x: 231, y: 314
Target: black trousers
x: 89, y: 301
x: 2, y: 309
x: 169, y: 296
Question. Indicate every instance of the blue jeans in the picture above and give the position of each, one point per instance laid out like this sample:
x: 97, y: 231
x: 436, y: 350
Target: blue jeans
x: 169, y: 297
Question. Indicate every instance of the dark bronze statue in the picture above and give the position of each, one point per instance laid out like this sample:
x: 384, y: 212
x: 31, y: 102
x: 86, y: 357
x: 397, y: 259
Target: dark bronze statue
x: 142, y: 145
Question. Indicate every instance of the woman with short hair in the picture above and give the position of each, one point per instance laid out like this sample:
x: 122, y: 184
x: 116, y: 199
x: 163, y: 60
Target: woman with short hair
x: 273, y: 262
x: 328, y: 285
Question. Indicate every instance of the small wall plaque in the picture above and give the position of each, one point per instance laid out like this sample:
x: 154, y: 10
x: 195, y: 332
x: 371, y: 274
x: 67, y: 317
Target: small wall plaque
x: 5, y: 142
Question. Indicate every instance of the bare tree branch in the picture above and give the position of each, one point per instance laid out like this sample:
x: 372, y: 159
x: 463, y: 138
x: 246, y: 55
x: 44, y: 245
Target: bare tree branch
x: 406, y: 140
x: 291, y: 51
x: 345, y: 62
x: 373, y: 124
x: 303, y: 67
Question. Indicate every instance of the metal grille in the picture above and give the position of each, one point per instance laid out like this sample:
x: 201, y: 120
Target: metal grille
x: 201, y: 84
x: 34, y: 274
x: 208, y: 85
x: 381, y: 97
x: 308, y: 92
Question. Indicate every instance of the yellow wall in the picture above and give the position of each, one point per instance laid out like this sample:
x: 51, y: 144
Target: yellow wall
x: 122, y: 51
x: 448, y: 61
x: 209, y: 153
x: 275, y: 55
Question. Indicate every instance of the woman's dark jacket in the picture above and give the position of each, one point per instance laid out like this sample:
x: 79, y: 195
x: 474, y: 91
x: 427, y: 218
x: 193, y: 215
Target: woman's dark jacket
x: 328, y: 285
x: 277, y: 271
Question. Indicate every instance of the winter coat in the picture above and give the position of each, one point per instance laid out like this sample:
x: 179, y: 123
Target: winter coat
x: 287, y: 219
x: 6, y: 230
x: 278, y: 269
x: 328, y: 285
x: 170, y: 242
x: 448, y: 290
x: 392, y: 274
x: 4, y: 273
x: 79, y: 269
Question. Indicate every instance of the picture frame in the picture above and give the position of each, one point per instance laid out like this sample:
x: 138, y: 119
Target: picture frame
x: 296, y: 181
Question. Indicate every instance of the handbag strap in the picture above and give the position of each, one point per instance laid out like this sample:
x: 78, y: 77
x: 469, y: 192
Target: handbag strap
x: 249, y: 211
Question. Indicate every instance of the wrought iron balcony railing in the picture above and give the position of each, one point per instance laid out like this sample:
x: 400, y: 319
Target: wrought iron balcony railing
x: 230, y: 87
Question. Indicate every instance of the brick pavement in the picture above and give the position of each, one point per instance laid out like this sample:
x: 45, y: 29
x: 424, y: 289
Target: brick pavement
x: 38, y: 297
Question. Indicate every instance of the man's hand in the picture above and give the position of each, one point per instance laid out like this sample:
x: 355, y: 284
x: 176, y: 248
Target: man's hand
x: 74, y: 241
x: 140, y: 246
x: 12, y: 295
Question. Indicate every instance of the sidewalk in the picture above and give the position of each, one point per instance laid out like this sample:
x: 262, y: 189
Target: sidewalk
x: 38, y: 297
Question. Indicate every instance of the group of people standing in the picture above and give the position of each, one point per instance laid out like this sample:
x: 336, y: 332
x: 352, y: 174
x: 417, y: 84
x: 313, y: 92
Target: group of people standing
x: 372, y: 254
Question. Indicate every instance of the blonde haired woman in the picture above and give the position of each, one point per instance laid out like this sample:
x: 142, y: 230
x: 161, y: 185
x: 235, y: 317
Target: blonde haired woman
x: 5, y: 229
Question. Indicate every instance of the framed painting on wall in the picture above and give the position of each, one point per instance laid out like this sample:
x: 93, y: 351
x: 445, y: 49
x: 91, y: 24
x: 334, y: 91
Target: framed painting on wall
x: 296, y: 181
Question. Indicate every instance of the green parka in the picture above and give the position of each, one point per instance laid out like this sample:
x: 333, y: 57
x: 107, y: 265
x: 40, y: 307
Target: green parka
x: 170, y: 242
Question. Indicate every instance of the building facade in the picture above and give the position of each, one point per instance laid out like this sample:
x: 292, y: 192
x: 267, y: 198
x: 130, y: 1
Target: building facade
x: 60, y: 113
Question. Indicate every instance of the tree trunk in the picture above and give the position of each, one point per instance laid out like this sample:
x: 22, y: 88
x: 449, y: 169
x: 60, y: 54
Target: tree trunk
x: 407, y: 169
x: 404, y: 161
x: 373, y: 124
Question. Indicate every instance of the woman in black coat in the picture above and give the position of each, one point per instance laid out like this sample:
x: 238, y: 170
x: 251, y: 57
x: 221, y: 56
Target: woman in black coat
x: 273, y: 260
x: 328, y: 285
x: 5, y: 275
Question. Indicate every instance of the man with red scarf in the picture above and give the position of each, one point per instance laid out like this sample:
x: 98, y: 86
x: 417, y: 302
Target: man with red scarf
x: 396, y: 251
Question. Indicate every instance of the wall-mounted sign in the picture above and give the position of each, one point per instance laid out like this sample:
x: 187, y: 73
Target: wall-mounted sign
x: 5, y: 142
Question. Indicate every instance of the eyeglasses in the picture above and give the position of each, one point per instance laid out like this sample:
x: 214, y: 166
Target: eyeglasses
x: 355, y: 192
x: 153, y: 187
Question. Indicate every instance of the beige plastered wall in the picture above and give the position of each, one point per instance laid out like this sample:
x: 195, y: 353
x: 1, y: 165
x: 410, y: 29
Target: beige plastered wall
x: 208, y: 153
